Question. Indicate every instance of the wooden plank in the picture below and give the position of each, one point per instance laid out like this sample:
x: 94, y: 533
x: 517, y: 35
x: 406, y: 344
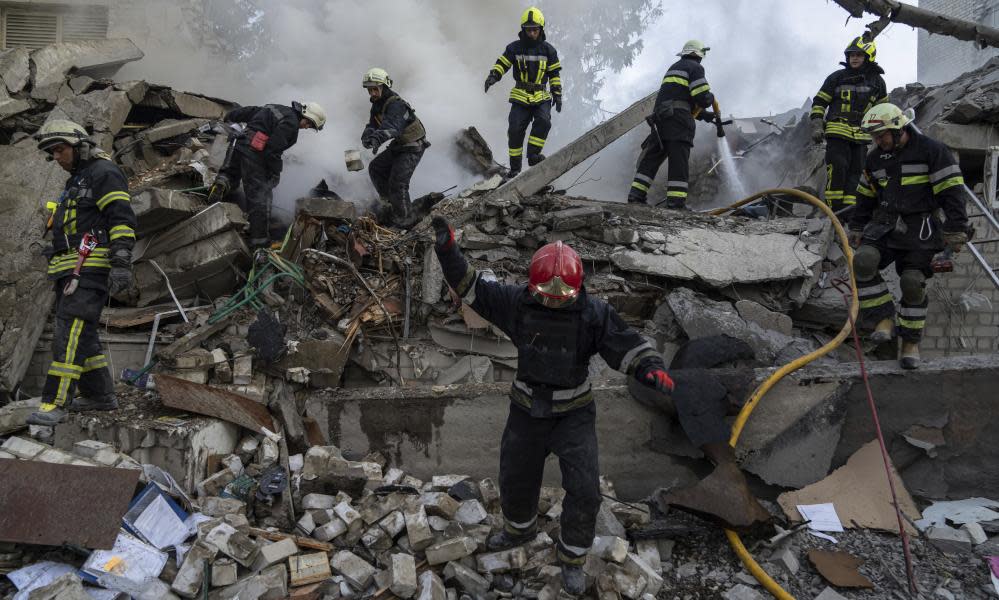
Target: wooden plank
x: 302, y: 542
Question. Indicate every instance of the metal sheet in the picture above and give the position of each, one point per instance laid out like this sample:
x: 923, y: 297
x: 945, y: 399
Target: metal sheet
x: 43, y: 503
x: 206, y: 400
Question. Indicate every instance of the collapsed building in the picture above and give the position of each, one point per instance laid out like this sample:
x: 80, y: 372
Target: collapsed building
x: 323, y: 421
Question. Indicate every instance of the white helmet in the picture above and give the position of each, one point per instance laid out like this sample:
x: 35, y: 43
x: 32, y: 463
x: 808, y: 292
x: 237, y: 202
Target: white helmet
x: 695, y: 47
x: 315, y: 114
x: 60, y: 131
x: 375, y: 77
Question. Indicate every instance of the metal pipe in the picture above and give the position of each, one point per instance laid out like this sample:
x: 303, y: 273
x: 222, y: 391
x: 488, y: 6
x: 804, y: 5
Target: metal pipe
x: 156, y: 327
x: 984, y: 264
x: 170, y: 288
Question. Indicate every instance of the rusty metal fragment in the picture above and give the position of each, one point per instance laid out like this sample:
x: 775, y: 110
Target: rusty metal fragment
x: 51, y: 504
x: 206, y: 400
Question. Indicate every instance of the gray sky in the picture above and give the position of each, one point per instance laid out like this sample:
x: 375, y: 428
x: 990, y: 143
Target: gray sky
x: 766, y: 55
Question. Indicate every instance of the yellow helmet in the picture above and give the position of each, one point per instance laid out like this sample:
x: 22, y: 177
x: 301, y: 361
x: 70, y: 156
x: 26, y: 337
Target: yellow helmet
x: 695, y: 47
x: 886, y: 116
x: 375, y: 77
x: 60, y: 131
x: 870, y: 49
x: 315, y: 113
x: 532, y: 17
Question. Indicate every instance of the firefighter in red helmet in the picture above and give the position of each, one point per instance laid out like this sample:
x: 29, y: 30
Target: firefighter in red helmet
x: 557, y: 328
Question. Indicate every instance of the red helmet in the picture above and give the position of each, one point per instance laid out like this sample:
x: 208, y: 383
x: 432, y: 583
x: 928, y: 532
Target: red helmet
x: 556, y: 275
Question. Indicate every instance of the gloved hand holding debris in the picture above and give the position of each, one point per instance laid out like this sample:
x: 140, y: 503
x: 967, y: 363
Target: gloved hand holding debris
x: 443, y: 233
x: 653, y: 373
x: 818, y: 131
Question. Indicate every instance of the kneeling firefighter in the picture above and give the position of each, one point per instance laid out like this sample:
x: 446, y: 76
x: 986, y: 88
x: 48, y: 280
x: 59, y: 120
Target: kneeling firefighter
x: 393, y: 119
x: 93, y: 231
x: 909, y: 180
x: 256, y: 158
x: 557, y: 327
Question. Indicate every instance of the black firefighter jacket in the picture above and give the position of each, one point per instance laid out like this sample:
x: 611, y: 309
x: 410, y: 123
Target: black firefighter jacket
x: 278, y: 122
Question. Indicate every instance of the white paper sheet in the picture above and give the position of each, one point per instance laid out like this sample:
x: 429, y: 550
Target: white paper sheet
x: 823, y: 517
x: 160, y: 525
x: 139, y: 562
x: 824, y: 536
x: 37, y: 575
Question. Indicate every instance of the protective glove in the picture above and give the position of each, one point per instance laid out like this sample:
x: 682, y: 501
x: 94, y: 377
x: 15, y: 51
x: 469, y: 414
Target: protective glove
x: 557, y: 100
x: 366, y: 137
x: 818, y: 131
x: 652, y: 373
x: 119, y: 280
x: 854, y: 237
x: 443, y: 233
x: 491, y: 79
x: 955, y: 240
x: 707, y: 116
x: 379, y: 137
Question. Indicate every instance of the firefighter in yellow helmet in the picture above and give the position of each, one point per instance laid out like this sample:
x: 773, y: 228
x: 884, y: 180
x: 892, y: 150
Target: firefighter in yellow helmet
x: 836, y: 112
x: 536, y: 68
x: 93, y: 231
x: 909, y: 179
x: 392, y: 120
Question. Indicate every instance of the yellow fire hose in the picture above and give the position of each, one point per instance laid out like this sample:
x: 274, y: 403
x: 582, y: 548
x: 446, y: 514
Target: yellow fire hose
x: 740, y: 422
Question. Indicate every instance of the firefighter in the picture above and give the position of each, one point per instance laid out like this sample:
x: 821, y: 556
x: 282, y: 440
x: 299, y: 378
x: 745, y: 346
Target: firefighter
x: 256, y: 158
x: 557, y: 327
x: 535, y: 66
x: 93, y: 231
x: 835, y: 117
x: 683, y: 92
x: 393, y: 119
x: 909, y: 179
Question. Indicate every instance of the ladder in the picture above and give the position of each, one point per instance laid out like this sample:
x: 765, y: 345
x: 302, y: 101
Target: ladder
x: 986, y: 212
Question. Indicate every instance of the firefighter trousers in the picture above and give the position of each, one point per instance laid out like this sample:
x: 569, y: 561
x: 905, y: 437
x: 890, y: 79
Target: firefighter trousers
x: 78, y: 362
x: 391, y: 172
x: 653, y: 154
x: 876, y: 302
x: 258, y: 187
x: 539, y: 117
x: 844, y: 164
x: 527, y: 442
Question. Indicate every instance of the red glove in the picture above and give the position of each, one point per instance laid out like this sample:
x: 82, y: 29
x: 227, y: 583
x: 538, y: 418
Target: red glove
x: 443, y: 233
x: 661, y: 380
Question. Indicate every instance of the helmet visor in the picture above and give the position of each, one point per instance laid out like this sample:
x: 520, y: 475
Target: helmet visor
x: 555, y: 293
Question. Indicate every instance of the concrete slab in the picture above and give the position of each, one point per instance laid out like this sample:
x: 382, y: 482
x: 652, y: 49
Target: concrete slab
x: 15, y: 68
x: 11, y: 106
x: 96, y: 58
x: 183, y: 103
x: 217, y: 218
x: 102, y: 112
x: 156, y: 209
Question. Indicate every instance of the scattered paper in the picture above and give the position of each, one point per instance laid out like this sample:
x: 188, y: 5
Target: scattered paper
x: 160, y: 525
x: 959, y: 512
x: 824, y: 536
x: 37, y: 575
x: 823, y: 517
x: 139, y: 562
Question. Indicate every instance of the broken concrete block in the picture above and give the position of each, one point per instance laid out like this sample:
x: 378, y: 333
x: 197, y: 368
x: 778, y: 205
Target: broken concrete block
x: 629, y: 584
x: 318, y: 501
x: 213, y: 506
x: 242, y: 369
x: 14, y: 414
x: 327, y: 208
x: 348, y: 514
x: 950, y: 540
x: 169, y: 128
x: 270, y: 584
x: 439, y: 504
x: 234, y: 544
x: 376, y: 539
x: 786, y: 560
x: 448, y: 550
x: 216, y: 219
x: 467, y: 579
x: 220, y: 363
x: 648, y: 550
x: 214, y: 485
x: 503, y: 561
x: 490, y: 494
x: 353, y: 160
x: 635, y: 565
x: 66, y: 587
x: 418, y: 526
x: 829, y: 594
x: 393, y: 524
x: 357, y: 571
x: 99, y: 452
x: 156, y: 209
x: 191, y: 574
x: 764, y: 317
x: 610, y: 548
x: 187, y: 104
x: 976, y: 532
x: 102, y: 112
x: 306, y: 524
x: 403, y: 575
x: 607, y: 523
x: 15, y: 68
x: 274, y: 553
x: 431, y: 587
x: 24, y: 448
x: 741, y: 592
x: 96, y: 58
x: 224, y: 572
x: 11, y: 106
x: 576, y: 218
x: 471, y: 512
x: 308, y: 568
x: 330, y: 531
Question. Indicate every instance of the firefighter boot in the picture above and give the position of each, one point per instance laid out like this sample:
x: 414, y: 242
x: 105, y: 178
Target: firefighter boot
x: 533, y: 159
x: 506, y: 539
x: 573, y: 578
x: 83, y: 404
x: 909, y: 357
x: 219, y: 190
x: 673, y: 203
x: 882, y: 332
x: 724, y: 495
x: 47, y: 414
